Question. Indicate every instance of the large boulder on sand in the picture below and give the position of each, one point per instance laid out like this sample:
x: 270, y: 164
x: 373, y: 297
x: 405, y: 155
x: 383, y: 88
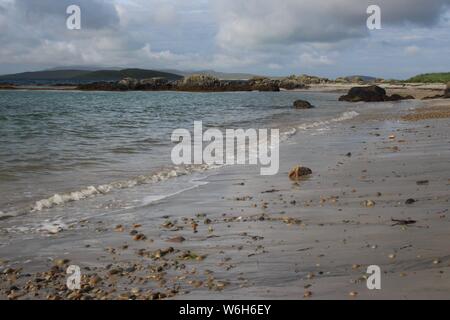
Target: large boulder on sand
x: 302, y: 104
x: 371, y: 94
x: 447, y: 91
x: 366, y: 94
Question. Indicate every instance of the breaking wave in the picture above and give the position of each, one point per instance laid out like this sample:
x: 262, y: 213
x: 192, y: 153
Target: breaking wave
x: 163, y: 175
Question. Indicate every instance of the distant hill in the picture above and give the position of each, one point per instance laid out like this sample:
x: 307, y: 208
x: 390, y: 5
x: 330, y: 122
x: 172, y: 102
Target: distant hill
x: 87, y: 75
x: 431, y: 78
x: 84, y: 68
x: 46, y: 75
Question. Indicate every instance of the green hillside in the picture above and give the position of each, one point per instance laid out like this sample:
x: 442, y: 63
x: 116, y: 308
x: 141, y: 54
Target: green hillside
x: 85, y: 75
x: 431, y: 78
x: 46, y: 75
x: 127, y: 73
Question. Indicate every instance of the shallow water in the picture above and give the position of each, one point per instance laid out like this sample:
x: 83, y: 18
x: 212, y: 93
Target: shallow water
x: 54, y: 142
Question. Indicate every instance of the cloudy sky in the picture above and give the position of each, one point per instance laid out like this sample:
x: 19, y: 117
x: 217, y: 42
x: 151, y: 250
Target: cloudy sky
x: 321, y: 37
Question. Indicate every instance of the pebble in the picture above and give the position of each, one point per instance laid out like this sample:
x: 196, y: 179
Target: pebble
x: 61, y: 262
x: 178, y: 239
x: 139, y: 237
x: 119, y: 228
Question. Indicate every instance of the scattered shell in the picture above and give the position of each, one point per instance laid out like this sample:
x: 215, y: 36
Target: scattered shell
x: 368, y: 204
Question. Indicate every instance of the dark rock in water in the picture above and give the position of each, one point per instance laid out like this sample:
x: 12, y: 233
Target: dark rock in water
x: 410, y: 201
x: 301, y: 104
x: 367, y: 94
x: 371, y: 94
x: 298, y: 172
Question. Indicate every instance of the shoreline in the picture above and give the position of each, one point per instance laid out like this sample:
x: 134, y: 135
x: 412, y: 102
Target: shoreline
x: 418, y: 90
x: 269, y: 238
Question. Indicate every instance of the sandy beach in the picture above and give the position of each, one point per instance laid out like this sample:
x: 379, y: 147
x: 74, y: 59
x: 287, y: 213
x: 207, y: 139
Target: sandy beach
x: 379, y: 195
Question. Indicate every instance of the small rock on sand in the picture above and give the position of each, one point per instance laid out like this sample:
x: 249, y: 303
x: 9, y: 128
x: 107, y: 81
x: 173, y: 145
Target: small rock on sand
x: 178, y: 239
x: 298, y: 172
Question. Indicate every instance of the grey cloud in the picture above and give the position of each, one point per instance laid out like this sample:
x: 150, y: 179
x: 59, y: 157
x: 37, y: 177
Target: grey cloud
x: 256, y: 23
x: 96, y: 14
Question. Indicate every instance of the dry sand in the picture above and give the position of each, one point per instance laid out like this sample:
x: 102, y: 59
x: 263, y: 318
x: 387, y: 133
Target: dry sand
x: 245, y: 236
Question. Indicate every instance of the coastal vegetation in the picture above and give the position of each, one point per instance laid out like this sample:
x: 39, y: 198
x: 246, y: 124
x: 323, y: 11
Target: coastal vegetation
x: 442, y: 77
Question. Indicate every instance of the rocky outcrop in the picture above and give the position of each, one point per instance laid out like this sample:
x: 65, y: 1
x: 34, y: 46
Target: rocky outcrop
x: 371, y: 94
x: 7, y: 86
x: 199, y: 81
x: 98, y: 86
x: 447, y: 91
x: 292, y: 83
x: 193, y: 83
x: 154, y: 84
x: 127, y: 84
x: 306, y: 79
x: 264, y: 84
x: 302, y: 104
x: 301, y: 81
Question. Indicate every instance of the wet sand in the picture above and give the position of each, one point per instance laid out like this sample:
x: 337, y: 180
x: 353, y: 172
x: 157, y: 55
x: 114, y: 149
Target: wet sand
x: 246, y: 236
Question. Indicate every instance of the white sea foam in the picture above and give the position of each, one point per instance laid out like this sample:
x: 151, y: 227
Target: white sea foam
x: 345, y: 116
x: 92, y: 191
